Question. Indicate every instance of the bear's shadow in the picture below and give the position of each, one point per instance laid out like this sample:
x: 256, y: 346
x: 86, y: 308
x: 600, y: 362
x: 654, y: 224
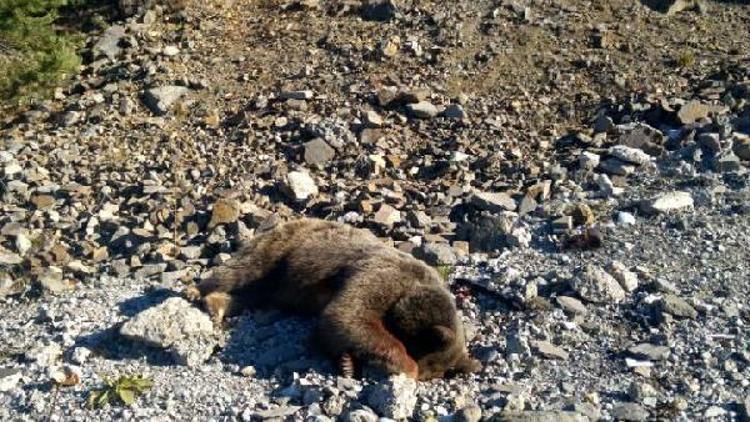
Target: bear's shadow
x: 273, y: 343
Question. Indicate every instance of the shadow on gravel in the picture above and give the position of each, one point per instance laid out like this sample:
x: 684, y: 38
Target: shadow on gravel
x: 275, y: 344
x: 109, y: 344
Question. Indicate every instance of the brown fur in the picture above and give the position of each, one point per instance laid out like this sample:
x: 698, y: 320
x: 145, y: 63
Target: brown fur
x: 376, y: 304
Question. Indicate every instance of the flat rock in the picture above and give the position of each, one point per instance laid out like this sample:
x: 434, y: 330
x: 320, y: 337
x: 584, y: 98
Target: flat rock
x: 616, y: 166
x: 675, y: 305
x: 630, y: 412
x: 571, y: 305
x: 692, y: 111
x: 493, y: 201
x: 422, y: 110
x: 9, y: 258
x: 549, y: 350
x: 668, y: 202
x: 543, y: 416
x: 649, y: 351
x: 174, y: 325
x: 161, y: 99
x: 300, y: 186
x: 595, y: 285
x: 277, y: 413
x: 629, y: 155
x: 394, y: 398
x: 318, y: 152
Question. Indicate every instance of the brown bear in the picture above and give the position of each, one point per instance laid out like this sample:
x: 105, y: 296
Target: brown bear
x: 376, y: 305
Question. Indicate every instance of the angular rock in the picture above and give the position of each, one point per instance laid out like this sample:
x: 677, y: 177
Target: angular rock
x: 51, y: 281
x: 300, y: 186
x: 373, y: 119
x: 418, y: 219
x: 380, y: 10
x: 571, y: 305
x: 595, y: 285
x: 627, y: 279
x: 387, y: 216
x: 394, y: 398
x: 549, y: 350
x: 318, y: 152
x: 493, y: 201
x: 667, y: 202
x: 649, y: 351
x: 490, y: 232
x: 9, y: 378
x: 588, y: 160
x: 676, y: 306
x: 23, y: 244
x: 174, y: 325
x: 161, y: 99
x: 437, y: 253
x: 9, y: 258
x: 108, y: 44
x: 632, y: 412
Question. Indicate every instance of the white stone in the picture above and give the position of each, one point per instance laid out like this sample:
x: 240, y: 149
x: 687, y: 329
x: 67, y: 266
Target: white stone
x: 596, y: 285
x: 9, y: 377
x: 175, y: 325
x: 627, y: 279
x: 300, y: 186
x: 23, y: 244
x: 395, y: 398
x: 625, y: 218
x: 629, y: 155
x: 670, y: 201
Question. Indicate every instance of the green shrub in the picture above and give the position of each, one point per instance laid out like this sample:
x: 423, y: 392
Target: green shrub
x: 35, y: 53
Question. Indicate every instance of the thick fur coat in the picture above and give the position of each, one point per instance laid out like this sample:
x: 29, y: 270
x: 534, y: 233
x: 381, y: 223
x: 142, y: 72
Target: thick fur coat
x: 376, y: 305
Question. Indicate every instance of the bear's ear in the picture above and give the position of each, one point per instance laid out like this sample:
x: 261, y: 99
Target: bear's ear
x: 444, y: 335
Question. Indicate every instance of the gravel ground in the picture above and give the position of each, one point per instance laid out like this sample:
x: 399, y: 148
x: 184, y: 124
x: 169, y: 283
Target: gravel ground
x: 579, y: 171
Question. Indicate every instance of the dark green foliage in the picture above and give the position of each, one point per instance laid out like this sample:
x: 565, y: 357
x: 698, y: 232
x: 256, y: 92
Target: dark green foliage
x: 35, y: 54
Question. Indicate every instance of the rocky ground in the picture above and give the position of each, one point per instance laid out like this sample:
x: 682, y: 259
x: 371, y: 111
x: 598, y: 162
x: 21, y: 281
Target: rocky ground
x: 578, y: 169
